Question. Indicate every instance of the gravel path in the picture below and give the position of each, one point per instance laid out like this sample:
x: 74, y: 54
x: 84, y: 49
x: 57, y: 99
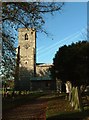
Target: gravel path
x: 33, y: 111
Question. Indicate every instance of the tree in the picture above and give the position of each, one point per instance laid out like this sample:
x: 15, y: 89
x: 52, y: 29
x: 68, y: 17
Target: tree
x: 72, y: 64
x: 29, y: 14
x: 22, y: 14
x: 8, y: 57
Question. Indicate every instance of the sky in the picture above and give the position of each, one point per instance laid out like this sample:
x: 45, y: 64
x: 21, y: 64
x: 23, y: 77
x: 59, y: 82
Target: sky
x: 65, y: 27
x: 61, y: 0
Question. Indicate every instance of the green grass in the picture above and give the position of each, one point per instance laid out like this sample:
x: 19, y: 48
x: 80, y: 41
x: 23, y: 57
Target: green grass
x: 72, y: 115
x: 60, y: 109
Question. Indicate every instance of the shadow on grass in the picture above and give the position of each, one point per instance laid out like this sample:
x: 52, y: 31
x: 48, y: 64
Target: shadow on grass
x: 10, y: 103
x: 76, y: 115
x: 50, y: 97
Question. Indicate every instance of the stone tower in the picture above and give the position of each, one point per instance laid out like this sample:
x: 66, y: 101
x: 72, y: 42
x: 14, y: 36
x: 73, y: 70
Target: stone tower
x: 27, y: 53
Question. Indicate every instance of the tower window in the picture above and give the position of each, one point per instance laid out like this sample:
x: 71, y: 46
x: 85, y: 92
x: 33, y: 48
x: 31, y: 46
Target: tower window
x: 26, y: 62
x: 31, y: 32
x: 26, y: 36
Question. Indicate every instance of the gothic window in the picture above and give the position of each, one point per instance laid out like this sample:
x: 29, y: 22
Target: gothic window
x: 26, y: 62
x: 26, y: 36
x: 31, y: 32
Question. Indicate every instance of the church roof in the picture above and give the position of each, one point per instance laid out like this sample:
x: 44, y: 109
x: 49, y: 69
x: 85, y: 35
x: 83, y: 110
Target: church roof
x: 43, y: 64
x: 41, y: 78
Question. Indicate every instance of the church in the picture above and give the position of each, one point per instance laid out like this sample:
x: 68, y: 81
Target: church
x: 29, y: 74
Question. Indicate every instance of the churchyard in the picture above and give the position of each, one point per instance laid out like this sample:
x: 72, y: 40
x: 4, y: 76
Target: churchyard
x: 41, y: 105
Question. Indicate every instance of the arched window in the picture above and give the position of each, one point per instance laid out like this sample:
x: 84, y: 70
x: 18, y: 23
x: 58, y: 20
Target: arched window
x: 26, y: 36
x: 31, y: 32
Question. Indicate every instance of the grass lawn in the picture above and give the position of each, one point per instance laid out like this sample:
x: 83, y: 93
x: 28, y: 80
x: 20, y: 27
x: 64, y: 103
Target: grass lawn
x: 57, y: 106
x: 60, y: 109
x: 72, y: 115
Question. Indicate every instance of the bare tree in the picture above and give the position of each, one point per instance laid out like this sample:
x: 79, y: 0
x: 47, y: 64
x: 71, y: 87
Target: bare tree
x: 22, y: 14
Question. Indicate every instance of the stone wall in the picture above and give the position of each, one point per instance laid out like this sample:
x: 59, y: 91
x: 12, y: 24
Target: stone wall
x: 43, y: 70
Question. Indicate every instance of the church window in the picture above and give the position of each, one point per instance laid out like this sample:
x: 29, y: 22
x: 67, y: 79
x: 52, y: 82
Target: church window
x: 31, y: 32
x: 26, y: 36
x: 26, y: 62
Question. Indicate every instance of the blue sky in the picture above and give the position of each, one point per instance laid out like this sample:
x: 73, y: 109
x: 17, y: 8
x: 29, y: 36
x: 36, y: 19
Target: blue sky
x: 64, y: 27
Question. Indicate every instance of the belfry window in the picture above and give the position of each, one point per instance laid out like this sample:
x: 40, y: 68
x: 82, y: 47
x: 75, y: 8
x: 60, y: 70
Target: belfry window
x: 26, y: 36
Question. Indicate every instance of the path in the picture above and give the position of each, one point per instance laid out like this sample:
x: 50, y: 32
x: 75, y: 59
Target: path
x: 33, y: 111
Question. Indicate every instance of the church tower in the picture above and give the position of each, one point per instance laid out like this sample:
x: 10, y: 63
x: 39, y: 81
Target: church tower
x: 27, y: 53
